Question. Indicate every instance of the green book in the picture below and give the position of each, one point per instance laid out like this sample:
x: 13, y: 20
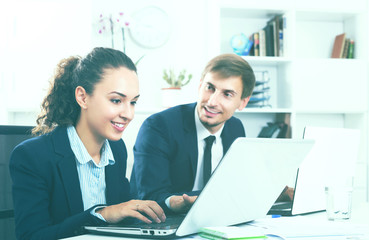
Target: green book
x: 351, y: 49
x: 217, y: 233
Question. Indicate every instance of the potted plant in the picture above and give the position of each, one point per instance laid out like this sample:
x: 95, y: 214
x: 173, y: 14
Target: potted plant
x: 171, y: 94
x: 176, y: 81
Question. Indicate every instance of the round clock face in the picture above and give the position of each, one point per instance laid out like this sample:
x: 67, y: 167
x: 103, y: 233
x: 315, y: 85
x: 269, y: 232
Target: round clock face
x: 150, y: 28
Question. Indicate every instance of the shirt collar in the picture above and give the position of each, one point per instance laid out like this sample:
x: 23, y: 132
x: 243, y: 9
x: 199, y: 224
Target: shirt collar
x: 81, y: 153
x: 202, y: 132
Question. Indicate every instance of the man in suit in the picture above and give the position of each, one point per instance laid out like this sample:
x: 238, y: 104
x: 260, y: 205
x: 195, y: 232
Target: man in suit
x: 170, y: 163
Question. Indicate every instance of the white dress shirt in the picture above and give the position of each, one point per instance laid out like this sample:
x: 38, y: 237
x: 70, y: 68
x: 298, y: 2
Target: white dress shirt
x: 91, y: 175
x: 216, y: 151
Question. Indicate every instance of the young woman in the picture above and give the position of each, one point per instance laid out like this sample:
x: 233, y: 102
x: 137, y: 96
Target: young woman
x: 73, y: 174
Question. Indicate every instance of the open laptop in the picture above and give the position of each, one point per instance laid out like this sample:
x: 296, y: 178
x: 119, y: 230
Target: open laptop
x: 330, y: 162
x: 242, y: 188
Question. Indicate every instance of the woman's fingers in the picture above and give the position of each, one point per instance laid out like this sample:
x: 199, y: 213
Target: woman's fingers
x: 151, y: 209
x: 146, y: 211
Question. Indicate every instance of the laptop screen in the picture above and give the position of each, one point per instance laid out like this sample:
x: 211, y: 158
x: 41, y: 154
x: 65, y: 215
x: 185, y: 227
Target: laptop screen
x: 331, y: 161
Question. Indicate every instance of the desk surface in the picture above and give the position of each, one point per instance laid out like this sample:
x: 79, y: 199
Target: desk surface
x: 360, y: 217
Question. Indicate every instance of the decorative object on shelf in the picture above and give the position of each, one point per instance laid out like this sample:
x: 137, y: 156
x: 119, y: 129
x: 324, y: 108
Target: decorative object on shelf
x: 241, y: 45
x: 109, y: 23
x: 274, y: 130
x: 150, y: 27
x: 171, y: 94
x: 261, y: 95
x: 175, y: 81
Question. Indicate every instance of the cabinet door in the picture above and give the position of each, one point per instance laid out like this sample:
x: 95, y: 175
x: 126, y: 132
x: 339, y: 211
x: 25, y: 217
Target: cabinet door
x: 329, y: 85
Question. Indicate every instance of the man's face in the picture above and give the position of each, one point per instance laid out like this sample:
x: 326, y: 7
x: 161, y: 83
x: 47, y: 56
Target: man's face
x: 218, y: 100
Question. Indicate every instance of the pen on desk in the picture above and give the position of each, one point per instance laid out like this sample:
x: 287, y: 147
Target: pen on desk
x: 276, y: 216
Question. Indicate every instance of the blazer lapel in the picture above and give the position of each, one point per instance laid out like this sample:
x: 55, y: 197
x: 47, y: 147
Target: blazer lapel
x: 68, y: 171
x: 113, y: 179
x: 226, y: 138
x: 190, y: 135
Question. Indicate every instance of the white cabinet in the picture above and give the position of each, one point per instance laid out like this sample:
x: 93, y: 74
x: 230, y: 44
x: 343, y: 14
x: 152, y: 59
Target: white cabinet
x: 309, y: 87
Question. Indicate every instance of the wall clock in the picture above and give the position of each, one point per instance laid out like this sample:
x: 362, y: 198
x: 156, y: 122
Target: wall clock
x: 151, y: 27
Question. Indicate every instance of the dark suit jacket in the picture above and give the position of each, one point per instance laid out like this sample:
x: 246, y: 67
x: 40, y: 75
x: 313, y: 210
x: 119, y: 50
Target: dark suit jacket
x: 46, y: 189
x: 165, y: 153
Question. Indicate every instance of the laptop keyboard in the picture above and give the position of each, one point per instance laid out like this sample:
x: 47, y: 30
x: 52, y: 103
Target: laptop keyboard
x: 282, y: 205
x: 172, y: 221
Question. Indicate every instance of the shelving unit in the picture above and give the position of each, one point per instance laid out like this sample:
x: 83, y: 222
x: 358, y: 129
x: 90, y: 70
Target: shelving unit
x: 310, y: 87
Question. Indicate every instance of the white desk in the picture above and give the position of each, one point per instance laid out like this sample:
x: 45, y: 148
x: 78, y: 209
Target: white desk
x: 360, y: 216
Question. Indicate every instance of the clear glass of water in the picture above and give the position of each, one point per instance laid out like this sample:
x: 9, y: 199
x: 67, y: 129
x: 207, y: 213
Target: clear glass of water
x: 339, y: 202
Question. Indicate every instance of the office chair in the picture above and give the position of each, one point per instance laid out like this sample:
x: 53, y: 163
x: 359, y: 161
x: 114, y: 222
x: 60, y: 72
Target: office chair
x: 10, y: 136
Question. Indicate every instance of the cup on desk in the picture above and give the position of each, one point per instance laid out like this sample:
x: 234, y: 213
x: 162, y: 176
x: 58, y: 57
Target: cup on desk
x: 339, y: 201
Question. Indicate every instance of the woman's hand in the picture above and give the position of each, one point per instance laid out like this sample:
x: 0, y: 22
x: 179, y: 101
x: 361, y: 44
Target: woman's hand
x: 133, y: 208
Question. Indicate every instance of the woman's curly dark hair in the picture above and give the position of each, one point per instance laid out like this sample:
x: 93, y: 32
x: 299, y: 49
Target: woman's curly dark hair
x: 59, y: 107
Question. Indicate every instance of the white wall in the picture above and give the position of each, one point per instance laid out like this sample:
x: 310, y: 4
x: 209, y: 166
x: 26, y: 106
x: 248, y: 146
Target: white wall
x: 184, y: 49
x: 35, y: 36
x: 39, y: 33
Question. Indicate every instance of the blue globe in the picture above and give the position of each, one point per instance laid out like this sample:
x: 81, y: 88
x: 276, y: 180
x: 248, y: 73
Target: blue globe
x: 239, y: 44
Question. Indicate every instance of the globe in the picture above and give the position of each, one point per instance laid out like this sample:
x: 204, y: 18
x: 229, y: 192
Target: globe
x: 239, y: 43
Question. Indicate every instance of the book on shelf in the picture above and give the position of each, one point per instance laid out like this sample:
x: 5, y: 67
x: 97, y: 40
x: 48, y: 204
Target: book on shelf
x: 274, y: 24
x: 350, y: 53
x: 252, y: 49
x: 285, y: 34
x: 345, y: 48
x: 281, y: 35
x: 256, y: 44
x: 277, y: 23
x: 262, y: 48
x: 338, y: 46
x: 269, y: 40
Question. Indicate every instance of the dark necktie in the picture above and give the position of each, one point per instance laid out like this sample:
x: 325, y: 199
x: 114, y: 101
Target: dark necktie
x: 207, y: 158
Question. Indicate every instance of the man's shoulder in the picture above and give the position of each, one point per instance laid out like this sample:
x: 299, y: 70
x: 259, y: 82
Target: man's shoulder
x: 234, y: 126
x: 234, y: 120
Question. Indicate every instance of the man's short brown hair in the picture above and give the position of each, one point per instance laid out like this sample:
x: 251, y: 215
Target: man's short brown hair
x: 232, y: 65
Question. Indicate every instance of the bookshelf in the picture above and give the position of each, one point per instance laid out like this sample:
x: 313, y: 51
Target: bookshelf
x: 310, y: 88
